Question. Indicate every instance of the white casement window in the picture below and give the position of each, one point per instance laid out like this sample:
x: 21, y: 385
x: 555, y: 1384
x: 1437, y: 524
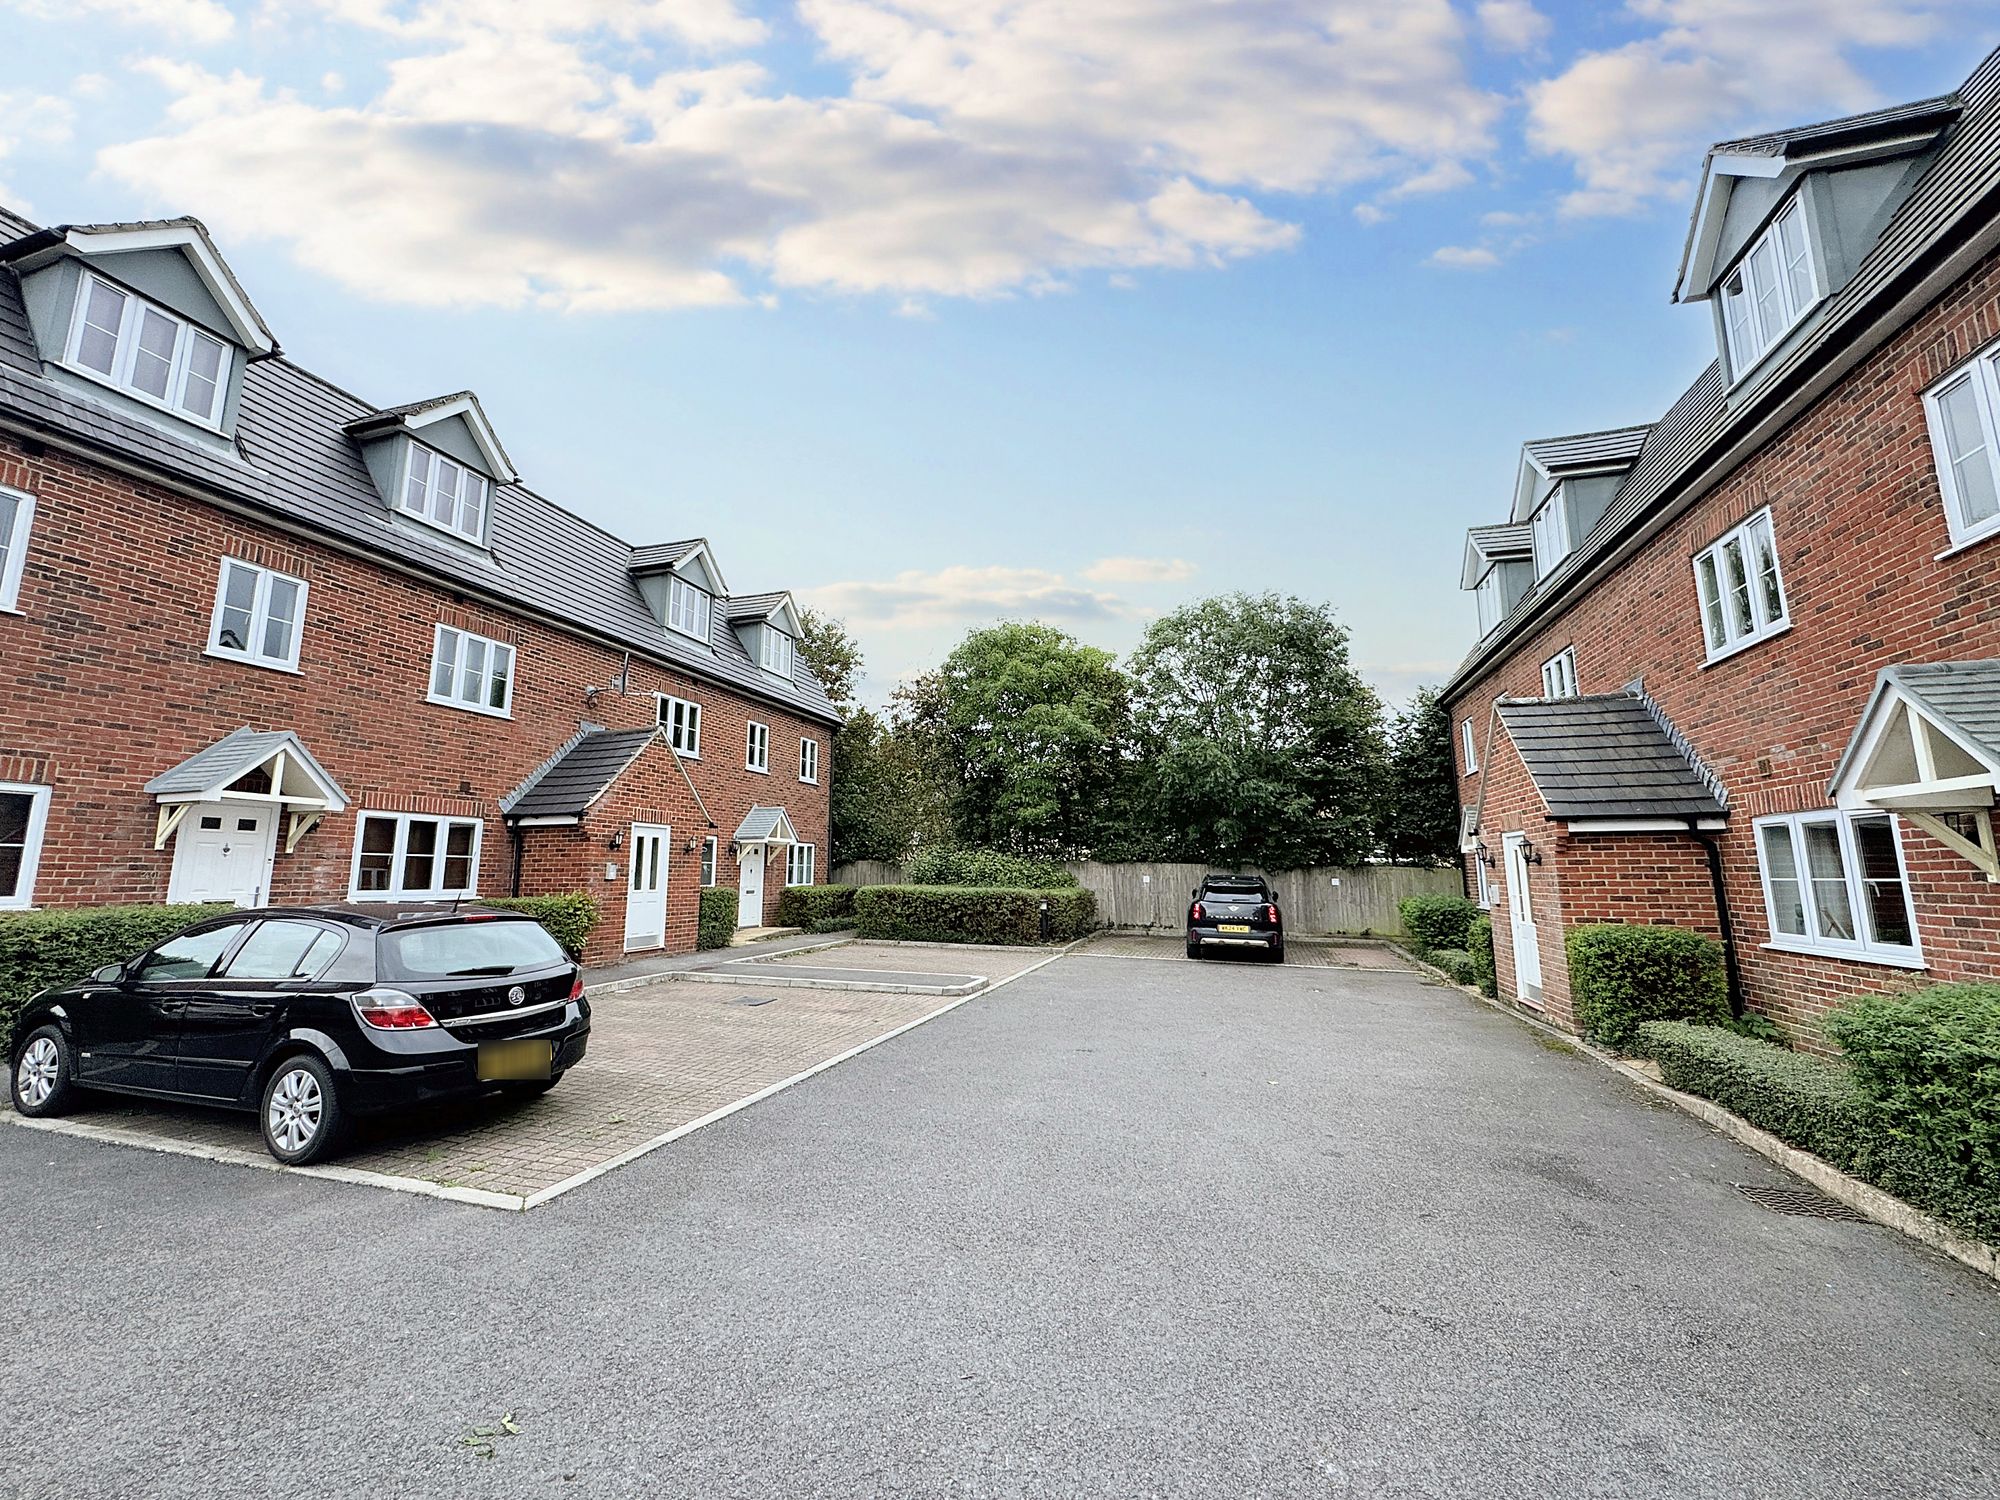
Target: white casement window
x: 1834, y: 884
x: 1964, y: 414
x: 147, y: 352
x: 777, y: 652
x: 1550, y: 528
x: 259, y: 616
x: 1741, y: 587
x: 470, y: 671
x: 443, y: 492
x: 799, y: 864
x: 687, y: 608
x: 405, y: 857
x: 683, y: 721
x: 708, y: 860
x: 24, y: 814
x: 1559, y: 674
x: 757, y: 748
x: 1469, y: 737
x: 809, y: 761
x: 17, y: 519
x: 1488, y: 595
x: 1772, y: 287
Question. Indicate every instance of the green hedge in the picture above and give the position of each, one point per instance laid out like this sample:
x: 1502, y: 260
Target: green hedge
x: 1457, y: 964
x: 1621, y: 974
x: 570, y: 918
x: 42, y: 949
x: 1479, y: 943
x: 967, y: 914
x: 1434, y: 922
x: 718, y: 917
x: 1807, y: 1101
x: 986, y: 868
x: 808, y: 906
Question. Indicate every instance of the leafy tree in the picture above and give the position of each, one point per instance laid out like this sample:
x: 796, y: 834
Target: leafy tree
x: 1420, y: 799
x: 833, y: 655
x: 1261, y: 743
x: 1032, y: 723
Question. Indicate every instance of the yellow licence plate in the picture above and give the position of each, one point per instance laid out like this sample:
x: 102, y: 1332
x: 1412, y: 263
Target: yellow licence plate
x: 1232, y: 926
x: 531, y: 1057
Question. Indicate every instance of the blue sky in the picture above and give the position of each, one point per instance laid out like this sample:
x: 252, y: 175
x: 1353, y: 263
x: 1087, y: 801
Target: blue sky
x: 944, y: 311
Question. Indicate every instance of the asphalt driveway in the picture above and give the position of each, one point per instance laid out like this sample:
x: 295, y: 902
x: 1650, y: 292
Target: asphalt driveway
x: 1123, y: 1228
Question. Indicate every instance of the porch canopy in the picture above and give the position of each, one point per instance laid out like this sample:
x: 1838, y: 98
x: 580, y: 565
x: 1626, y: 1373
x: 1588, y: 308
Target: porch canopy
x: 1605, y: 764
x: 1927, y: 748
x: 766, y: 825
x: 271, y: 766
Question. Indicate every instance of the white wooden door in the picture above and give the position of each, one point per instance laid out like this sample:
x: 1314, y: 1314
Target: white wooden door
x: 1521, y: 921
x: 223, y: 852
x: 750, y: 886
x: 646, y: 888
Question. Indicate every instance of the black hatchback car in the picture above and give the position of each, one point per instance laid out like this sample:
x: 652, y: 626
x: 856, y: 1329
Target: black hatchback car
x: 1236, y: 911
x: 310, y: 1015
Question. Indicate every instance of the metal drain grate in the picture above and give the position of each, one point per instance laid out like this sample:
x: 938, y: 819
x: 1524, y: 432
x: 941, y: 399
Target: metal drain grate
x: 1803, y: 1202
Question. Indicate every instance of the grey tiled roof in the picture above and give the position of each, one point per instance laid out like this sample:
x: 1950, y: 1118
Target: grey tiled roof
x: 1589, y: 450
x: 216, y: 766
x: 1801, y: 138
x: 755, y: 606
x: 1963, y: 696
x: 760, y: 823
x: 1604, y: 757
x: 294, y: 460
x: 1484, y: 543
x: 570, y: 783
x: 661, y: 555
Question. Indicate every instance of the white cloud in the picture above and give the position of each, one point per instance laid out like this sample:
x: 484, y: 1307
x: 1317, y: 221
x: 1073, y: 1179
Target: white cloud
x: 1140, y: 570
x: 1464, y: 257
x: 1634, y: 119
x: 599, y: 154
x: 1513, y: 25
x: 28, y: 119
x: 200, y: 21
x: 918, y: 600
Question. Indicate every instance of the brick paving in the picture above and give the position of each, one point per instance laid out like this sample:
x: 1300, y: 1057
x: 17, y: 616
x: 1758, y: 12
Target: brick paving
x: 1306, y: 953
x: 984, y: 962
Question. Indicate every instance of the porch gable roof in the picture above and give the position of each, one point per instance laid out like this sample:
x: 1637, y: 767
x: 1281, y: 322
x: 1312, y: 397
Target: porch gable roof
x: 1604, y: 758
x: 1929, y: 738
x: 210, y: 771
x: 581, y: 772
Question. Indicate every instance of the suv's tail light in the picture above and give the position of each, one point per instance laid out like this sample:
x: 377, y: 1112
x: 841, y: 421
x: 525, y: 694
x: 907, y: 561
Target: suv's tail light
x: 1198, y: 914
x: 392, y: 1010
x: 576, y: 990
x: 1271, y: 915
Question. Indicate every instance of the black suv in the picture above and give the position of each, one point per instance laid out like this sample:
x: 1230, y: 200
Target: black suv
x: 311, y: 1014
x: 1236, y: 911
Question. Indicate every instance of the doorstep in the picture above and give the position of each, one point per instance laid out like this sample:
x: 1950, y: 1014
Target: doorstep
x: 745, y: 936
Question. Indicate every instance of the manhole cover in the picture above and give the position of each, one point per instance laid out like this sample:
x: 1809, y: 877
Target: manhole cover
x: 1803, y: 1202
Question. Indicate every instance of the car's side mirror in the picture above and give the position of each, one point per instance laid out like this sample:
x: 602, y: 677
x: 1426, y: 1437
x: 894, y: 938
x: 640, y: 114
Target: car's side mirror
x: 109, y: 974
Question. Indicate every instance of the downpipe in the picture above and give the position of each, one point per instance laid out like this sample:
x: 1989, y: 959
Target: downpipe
x: 1731, y: 974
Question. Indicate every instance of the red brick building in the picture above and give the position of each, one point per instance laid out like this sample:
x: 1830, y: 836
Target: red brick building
x: 1739, y: 668
x: 261, y: 641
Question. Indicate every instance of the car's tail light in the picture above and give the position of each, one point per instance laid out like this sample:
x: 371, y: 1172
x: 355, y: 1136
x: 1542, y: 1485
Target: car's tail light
x: 1198, y: 914
x: 576, y: 990
x: 1271, y: 915
x: 392, y: 1010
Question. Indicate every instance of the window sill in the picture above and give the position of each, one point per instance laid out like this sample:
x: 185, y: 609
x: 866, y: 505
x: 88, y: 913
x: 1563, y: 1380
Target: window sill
x: 758, y: 770
x: 477, y: 543
x: 1747, y: 643
x: 251, y: 661
x: 1966, y: 544
x: 469, y: 708
x: 8, y: 609
x: 132, y: 393
x: 382, y: 898
x: 808, y: 781
x: 1850, y: 955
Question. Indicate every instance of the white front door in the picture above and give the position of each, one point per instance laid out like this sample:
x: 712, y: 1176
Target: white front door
x: 1521, y: 921
x: 223, y: 852
x: 646, y: 887
x: 750, y: 886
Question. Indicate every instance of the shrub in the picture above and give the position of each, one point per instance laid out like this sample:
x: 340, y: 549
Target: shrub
x: 1437, y: 921
x: 39, y: 950
x: 717, y: 924
x: 1806, y: 1101
x: 825, y: 925
x: 808, y: 906
x: 968, y: 914
x: 1456, y: 963
x: 1623, y: 973
x: 1479, y: 943
x: 570, y: 918
x: 987, y: 868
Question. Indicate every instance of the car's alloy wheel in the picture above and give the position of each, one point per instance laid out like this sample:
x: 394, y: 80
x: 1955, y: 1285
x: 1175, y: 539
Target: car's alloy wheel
x: 39, y: 1073
x: 301, y: 1111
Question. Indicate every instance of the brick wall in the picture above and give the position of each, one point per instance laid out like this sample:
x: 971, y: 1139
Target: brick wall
x: 1860, y: 527
x: 110, y: 686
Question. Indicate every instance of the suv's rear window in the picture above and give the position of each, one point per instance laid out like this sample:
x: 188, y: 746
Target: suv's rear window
x: 1232, y: 891
x: 467, y: 950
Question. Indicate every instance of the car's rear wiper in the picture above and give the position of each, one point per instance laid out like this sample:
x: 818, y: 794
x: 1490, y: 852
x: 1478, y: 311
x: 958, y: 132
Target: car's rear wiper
x: 492, y: 971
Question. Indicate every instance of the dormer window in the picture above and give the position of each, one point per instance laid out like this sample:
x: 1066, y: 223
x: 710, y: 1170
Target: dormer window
x: 446, y: 494
x: 126, y: 342
x: 1551, y: 532
x: 1772, y: 287
x: 777, y: 652
x: 1491, y: 608
x: 688, y: 607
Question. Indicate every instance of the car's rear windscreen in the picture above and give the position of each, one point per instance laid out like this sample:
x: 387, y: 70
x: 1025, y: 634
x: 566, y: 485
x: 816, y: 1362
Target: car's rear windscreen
x: 1234, y: 890
x: 467, y: 950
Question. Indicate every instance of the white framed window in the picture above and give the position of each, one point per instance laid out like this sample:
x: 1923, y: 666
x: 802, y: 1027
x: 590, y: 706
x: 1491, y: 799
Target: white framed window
x: 777, y: 652
x: 472, y: 672
x: 683, y: 722
x: 445, y: 493
x: 1488, y: 597
x: 708, y: 860
x: 1963, y: 410
x: 1559, y: 674
x: 1772, y: 287
x: 407, y: 857
x: 757, y: 748
x: 1469, y: 737
x: 24, y: 817
x: 1741, y: 587
x: 1550, y: 529
x: 121, y: 339
x: 809, y: 761
x: 17, y: 519
x: 688, y: 608
x: 799, y: 864
x: 1834, y: 884
x: 259, y: 616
